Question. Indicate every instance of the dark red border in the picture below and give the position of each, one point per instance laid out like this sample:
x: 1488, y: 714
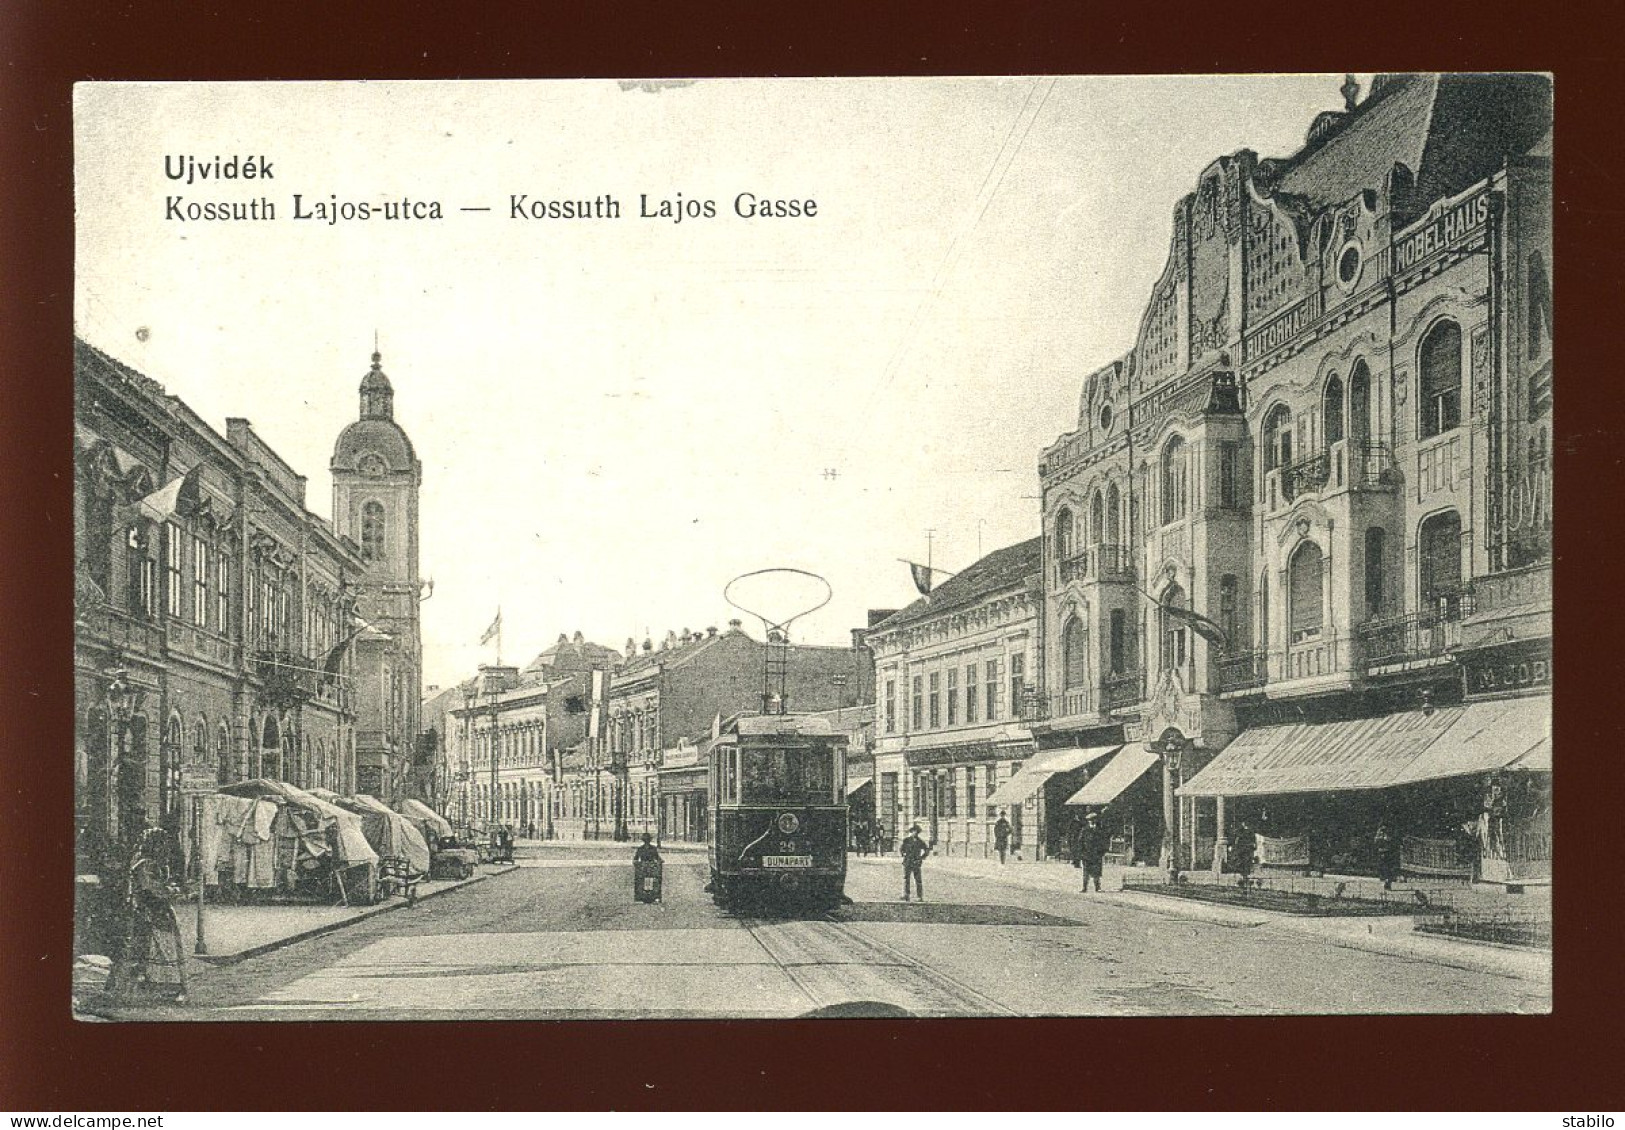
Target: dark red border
x: 1567, y: 1061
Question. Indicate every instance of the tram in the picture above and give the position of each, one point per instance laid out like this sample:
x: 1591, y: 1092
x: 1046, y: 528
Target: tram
x: 778, y: 812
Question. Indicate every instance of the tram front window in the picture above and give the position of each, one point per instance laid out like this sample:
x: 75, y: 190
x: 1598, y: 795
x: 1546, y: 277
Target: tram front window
x: 789, y: 776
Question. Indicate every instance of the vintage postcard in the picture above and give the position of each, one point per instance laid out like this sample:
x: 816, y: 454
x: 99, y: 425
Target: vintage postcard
x: 1021, y: 546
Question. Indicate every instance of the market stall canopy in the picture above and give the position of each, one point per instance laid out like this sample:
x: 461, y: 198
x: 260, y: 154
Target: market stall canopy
x: 1115, y: 776
x: 1376, y: 753
x: 389, y: 832
x: 417, y: 810
x: 1040, y: 767
x: 352, y: 841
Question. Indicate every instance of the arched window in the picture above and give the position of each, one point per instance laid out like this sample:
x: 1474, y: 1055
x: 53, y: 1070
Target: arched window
x: 1441, y: 563
x: 1228, y: 616
x: 1064, y: 544
x: 1331, y: 415
x: 1175, y: 644
x: 1306, y: 612
x: 1114, y: 516
x: 1175, y: 481
x: 1264, y: 611
x: 1278, y: 438
x: 1074, y: 652
x: 1097, y: 520
x: 372, y: 531
x: 1362, y: 428
x: 1441, y: 379
x: 169, y: 770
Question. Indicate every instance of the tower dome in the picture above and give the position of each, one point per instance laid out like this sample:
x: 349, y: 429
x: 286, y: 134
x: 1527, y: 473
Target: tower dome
x: 374, y: 443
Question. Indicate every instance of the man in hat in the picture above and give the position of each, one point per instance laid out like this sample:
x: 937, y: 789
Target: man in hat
x: 1092, y: 849
x: 914, y: 851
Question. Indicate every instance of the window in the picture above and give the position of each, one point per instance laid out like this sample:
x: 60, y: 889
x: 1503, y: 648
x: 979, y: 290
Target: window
x: 950, y: 793
x: 143, y: 574
x: 1074, y: 653
x: 1018, y: 686
x: 994, y: 690
x: 1441, y: 563
x: 788, y: 776
x: 1361, y: 427
x: 891, y: 706
x: 970, y: 693
x: 1097, y: 519
x: 1374, y: 538
x: 1305, y: 599
x: 1119, y: 642
x: 991, y: 783
x: 200, y: 582
x: 917, y: 714
x: 1227, y: 610
x: 1229, y: 475
x: 1175, y: 481
x: 1278, y: 438
x: 1331, y: 413
x: 936, y: 699
x: 1441, y: 379
x: 372, y: 531
x: 1114, y: 516
x: 1174, y: 644
x: 172, y: 570
x: 953, y: 696
x: 918, y: 795
x: 1064, y: 545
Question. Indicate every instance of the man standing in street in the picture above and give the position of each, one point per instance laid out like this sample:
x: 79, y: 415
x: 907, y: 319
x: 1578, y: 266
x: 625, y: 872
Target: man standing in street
x: 1001, y: 837
x: 1092, y: 849
x: 914, y: 851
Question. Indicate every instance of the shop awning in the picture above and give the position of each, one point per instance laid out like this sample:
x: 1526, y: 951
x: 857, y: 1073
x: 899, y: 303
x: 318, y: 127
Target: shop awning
x: 1375, y: 753
x: 853, y: 784
x: 1485, y: 737
x: 1040, y: 767
x: 1116, y: 775
x: 1538, y: 759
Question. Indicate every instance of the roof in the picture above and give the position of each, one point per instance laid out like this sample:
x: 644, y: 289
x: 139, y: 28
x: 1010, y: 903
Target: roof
x: 1447, y: 130
x: 999, y: 571
x: 590, y: 655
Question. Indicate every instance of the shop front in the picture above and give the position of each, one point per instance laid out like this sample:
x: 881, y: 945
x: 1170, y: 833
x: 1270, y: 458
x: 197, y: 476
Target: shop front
x: 1128, y: 797
x: 954, y: 789
x: 1456, y: 793
x: 1038, y: 791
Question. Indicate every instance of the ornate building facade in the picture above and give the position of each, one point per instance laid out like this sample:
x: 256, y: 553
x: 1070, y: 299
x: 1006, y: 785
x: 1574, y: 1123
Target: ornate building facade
x: 1316, y: 489
x: 376, y: 480
x: 210, y: 606
x: 954, y: 672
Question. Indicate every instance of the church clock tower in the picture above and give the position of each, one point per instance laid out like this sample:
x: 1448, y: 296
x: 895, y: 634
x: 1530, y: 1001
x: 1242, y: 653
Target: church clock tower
x: 376, y: 479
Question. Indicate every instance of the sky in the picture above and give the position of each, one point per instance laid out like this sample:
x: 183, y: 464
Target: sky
x: 617, y: 417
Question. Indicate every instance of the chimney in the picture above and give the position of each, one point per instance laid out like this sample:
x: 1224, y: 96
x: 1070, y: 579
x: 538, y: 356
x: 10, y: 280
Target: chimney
x: 577, y: 638
x: 711, y: 632
x: 735, y: 625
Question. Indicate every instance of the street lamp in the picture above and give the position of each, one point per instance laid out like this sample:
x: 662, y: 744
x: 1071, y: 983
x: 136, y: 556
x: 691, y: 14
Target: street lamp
x: 619, y: 773
x: 470, y: 702
x: 493, y: 691
x: 124, y: 699
x: 1171, y: 747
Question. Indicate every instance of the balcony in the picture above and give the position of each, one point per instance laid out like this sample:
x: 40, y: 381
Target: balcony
x: 1075, y: 703
x: 1120, y: 691
x: 1306, y: 476
x: 1074, y: 568
x: 1419, y: 636
x: 288, y: 678
x: 1243, y: 670
x: 1113, y: 564
x: 1370, y: 466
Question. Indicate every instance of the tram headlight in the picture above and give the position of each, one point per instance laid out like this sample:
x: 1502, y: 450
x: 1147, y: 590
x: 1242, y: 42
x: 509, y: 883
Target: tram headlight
x: 789, y: 822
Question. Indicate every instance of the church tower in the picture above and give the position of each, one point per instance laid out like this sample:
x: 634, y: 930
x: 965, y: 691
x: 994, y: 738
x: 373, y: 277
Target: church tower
x: 376, y: 479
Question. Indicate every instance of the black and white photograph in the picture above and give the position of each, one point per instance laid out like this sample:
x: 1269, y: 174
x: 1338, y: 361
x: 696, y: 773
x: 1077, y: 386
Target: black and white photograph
x: 1020, y: 546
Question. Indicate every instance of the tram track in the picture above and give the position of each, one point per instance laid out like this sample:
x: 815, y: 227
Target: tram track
x: 834, y: 963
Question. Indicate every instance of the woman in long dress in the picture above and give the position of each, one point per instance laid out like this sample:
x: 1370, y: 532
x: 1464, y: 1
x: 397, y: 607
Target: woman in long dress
x: 151, y: 963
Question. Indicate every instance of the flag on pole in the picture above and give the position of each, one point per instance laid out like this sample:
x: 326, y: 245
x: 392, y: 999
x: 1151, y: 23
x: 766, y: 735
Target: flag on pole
x: 922, y: 576
x: 495, y: 628
x: 1198, y: 623
x: 162, y: 504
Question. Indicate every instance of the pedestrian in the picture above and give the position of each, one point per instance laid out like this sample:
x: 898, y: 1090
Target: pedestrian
x: 1244, y: 852
x: 914, y: 851
x: 1074, y: 842
x: 1001, y: 837
x: 647, y: 853
x: 150, y: 962
x: 1092, y: 849
x: 1385, y: 848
